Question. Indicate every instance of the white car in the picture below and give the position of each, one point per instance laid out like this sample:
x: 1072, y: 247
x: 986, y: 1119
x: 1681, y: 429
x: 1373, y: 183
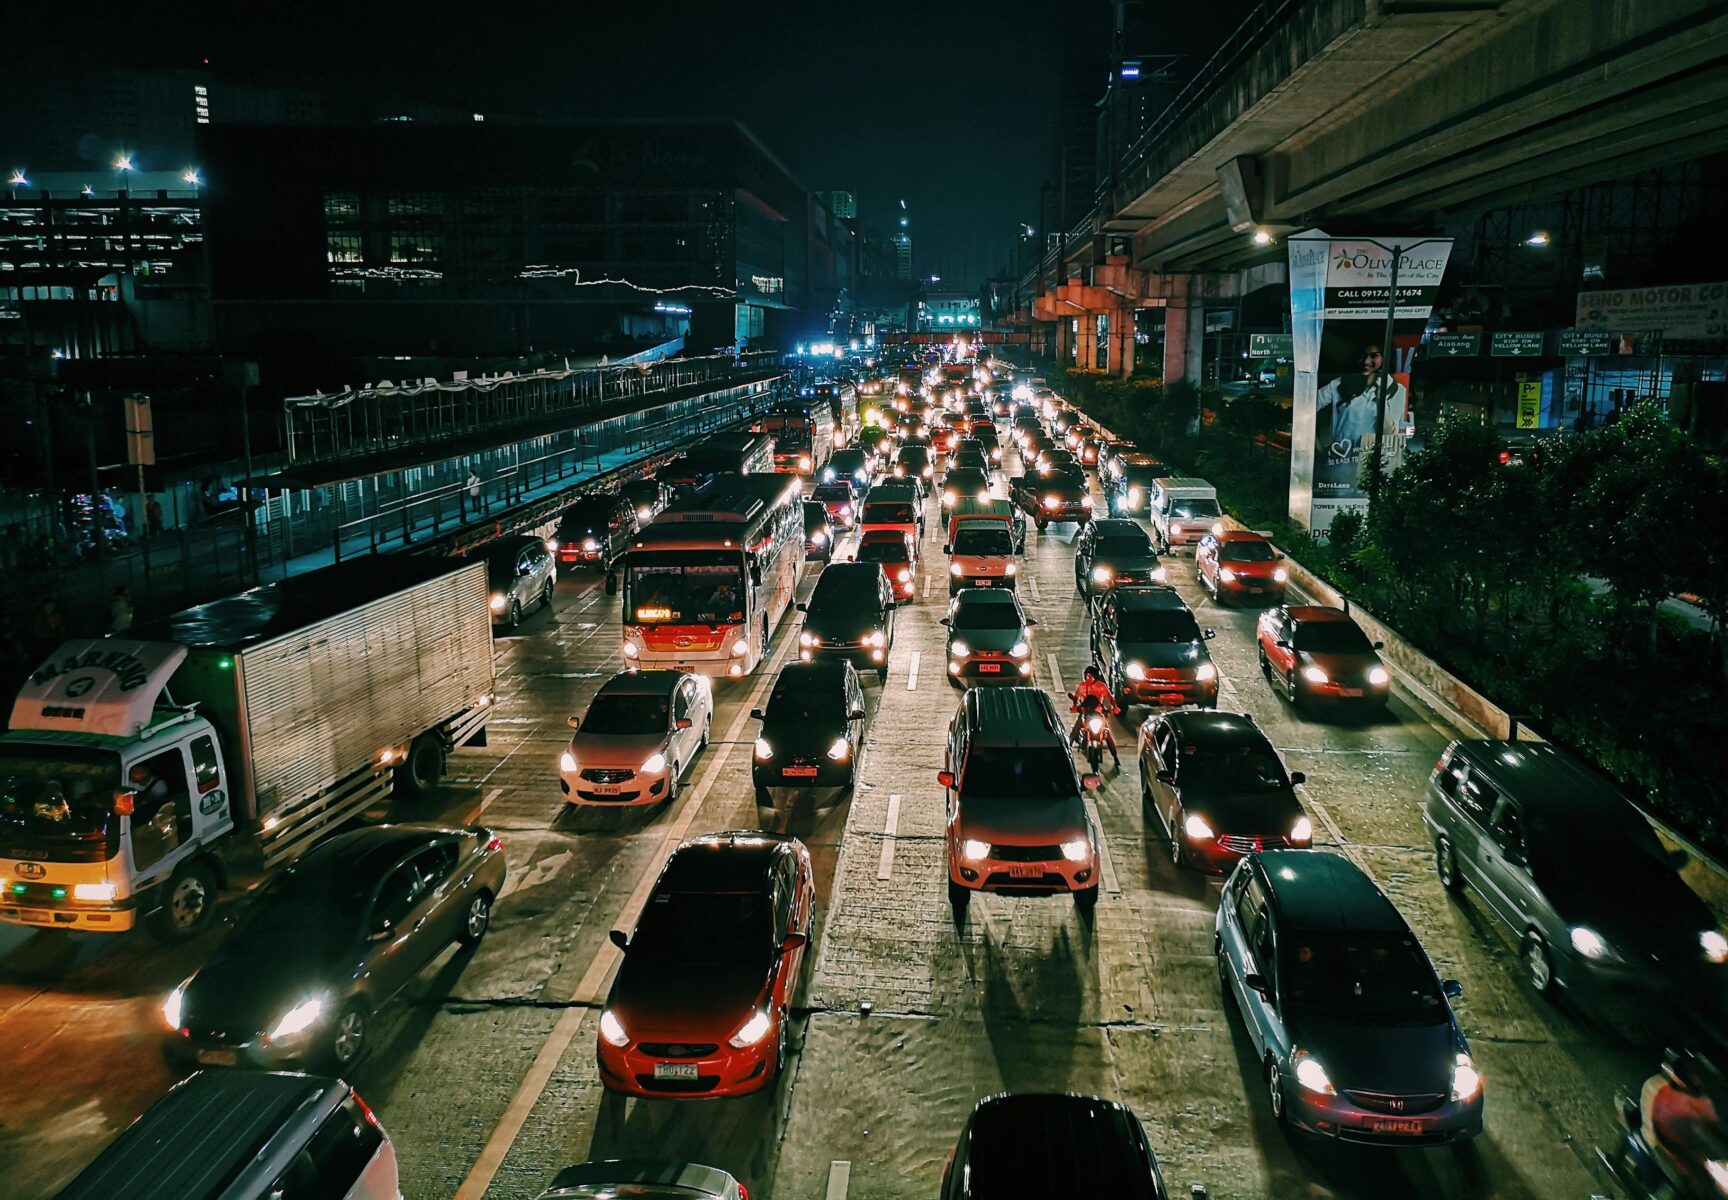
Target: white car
x: 637, y: 739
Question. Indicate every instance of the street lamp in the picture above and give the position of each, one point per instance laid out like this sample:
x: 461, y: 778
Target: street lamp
x: 123, y: 162
x: 1262, y: 238
x: 19, y: 179
x: 1539, y: 238
x: 190, y: 176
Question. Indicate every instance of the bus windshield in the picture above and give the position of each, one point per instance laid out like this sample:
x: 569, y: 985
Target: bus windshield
x: 59, y: 800
x: 694, y: 587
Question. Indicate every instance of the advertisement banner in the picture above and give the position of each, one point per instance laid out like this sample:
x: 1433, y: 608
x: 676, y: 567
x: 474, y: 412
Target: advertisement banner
x: 1685, y: 310
x: 1340, y: 289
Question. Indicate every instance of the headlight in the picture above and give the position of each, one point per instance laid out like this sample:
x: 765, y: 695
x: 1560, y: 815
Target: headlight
x: 1280, y: 575
x: 1466, y: 1079
x: 1134, y: 497
x: 1715, y: 945
x: 101, y: 893
x: 1019, y: 650
x: 567, y: 763
x: 818, y: 538
x: 1136, y: 671
x: 1159, y: 574
x: 1095, y: 724
x: 552, y: 545
x: 1205, y: 672
x: 1011, y: 569
x: 926, y: 472
x: 904, y: 575
x: 1175, y: 528
x: 1313, y: 674
x: 803, y: 462
x: 590, y: 545
x: 1302, y: 831
x: 752, y: 1031
x: 1378, y: 677
x: 1197, y: 828
x: 845, y: 510
x: 612, y: 1030
x: 498, y: 603
x: 840, y: 749
x: 645, y: 513
x: 948, y: 498
x: 1226, y: 575
x: 1101, y: 574
x: 1591, y: 944
x: 958, y: 648
x: 1311, y: 1075
x: 631, y: 650
x: 655, y: 762
x: 955, y: 569
x: 1217, y: 528
x: 973, y: 850
x: 876, y: 638
x: 808, y: 639
x: 298, y: 1019
x: 1077, y: 850
x: 763, y: 750
x: 172, y: 1006
x: 741, y: 647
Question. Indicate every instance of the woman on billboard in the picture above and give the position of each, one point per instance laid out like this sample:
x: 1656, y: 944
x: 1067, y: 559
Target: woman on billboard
x: 1344, y: 423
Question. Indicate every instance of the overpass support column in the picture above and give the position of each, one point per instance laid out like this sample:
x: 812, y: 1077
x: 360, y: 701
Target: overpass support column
x: 1184, y: 339
x: 1122, y: 341
x: 1064, y: 341
x: 1088, y: 322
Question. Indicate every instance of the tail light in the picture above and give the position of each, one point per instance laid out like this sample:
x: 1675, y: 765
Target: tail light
x: 496, y: 844
x: 366, y: 1111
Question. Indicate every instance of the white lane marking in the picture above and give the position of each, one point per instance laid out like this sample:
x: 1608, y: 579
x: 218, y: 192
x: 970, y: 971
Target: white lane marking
x: 544, y: 871
x: 912, y: 671
x: 839, y: 1179
x: 885, y: 868
x: 485, y: 803
x: 1055, y: 680
x: 928, y: 580
x: 1106, y: 866
x: 1032, y: 586
x: 586, y: 997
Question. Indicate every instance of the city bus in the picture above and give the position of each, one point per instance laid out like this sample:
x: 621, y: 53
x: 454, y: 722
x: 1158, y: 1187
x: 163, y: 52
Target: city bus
x: 803, y: 433
x: 842, y: 400
x: 708, y: 580
x: 746, y: 453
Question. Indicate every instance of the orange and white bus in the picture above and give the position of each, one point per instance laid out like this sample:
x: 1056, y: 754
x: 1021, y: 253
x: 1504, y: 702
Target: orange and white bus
x: 706, y: 583
x: 803, y: 433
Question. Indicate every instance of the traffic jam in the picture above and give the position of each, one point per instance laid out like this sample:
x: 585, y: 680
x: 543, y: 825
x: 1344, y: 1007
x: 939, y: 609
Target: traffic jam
x: 947, y: 789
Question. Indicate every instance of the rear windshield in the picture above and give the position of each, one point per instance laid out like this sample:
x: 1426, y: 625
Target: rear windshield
x: 1331, y: 637
x: 883, y: 552
x: 1011, y: 773
x: 888, y: 512
x: 1246, y: 552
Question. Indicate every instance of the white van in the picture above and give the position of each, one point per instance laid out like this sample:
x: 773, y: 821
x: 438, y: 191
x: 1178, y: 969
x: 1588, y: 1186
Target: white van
x: 1183, y: 510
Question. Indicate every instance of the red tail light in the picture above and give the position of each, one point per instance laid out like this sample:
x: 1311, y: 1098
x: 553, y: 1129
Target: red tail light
x: 743, y: 1192
x: 497, y: 843
x: 366, y: 1111
x: 1505, y: 457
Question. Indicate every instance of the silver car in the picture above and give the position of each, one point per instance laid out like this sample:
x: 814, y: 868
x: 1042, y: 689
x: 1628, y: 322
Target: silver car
x: 638, y: 738
x: 642, y: 1180
x: 989, y: 637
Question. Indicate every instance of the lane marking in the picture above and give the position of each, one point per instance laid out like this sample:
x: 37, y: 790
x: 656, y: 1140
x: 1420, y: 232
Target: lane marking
x: 928, y: 580
x: 912, y: 671
x: 1055, y: 674
x: 588, y: 990
x: 885, y: 868
x: 839, y: 1179
x: 1106, y: 865
x: 485, y: 803
x: 1032, y: 586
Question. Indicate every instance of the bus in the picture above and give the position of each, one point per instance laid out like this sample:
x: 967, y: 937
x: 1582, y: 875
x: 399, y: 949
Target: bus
x: 708, y: 580
x: 803, y: 433
x: 842, y: 400
x: 745, y: 453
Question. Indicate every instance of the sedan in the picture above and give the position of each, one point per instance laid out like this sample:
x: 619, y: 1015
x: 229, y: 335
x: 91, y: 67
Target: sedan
x: 648, y: 496
x: 699, y: 1004
x: 1217, y: 785
x: 1318, y: 653
x: 964, y: 483
x: 841, y: 502
x: 989, y: 637
x: 643, y: 1180
x: 818, y: 532
x: 812, y: 728
x: 330, y: 941
x: 1239, y: 564
x: 640, y: 734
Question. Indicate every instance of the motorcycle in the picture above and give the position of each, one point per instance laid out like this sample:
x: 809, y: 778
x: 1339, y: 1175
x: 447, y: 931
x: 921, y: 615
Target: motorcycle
x: 1092, y: 730
x: 1639, y: 1168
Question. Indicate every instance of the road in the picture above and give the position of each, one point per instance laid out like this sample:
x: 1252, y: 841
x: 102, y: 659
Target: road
x: 485, y: 1076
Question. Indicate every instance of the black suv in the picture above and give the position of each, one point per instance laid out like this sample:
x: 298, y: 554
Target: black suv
x: 850, y: 615
x: 596, y: 531
x: 1151, y: 650
x: 1014, y: 1146
x: 811, y: 730
x: 1113, y: 552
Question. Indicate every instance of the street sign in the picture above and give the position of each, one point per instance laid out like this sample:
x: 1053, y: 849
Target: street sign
x: 1577, y: 342
x: 1516, y: 345
x: 1454, y: 345
x: 1529, y: 403
x: 1269, y: 345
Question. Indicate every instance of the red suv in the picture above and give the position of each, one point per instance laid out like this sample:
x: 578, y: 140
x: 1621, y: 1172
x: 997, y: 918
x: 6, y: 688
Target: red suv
x: 1239, y: 564
x: 1317, y: 653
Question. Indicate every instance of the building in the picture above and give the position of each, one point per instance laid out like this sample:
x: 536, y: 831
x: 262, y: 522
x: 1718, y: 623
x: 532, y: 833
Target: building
x: 947, y: 311
x: 843, y: 204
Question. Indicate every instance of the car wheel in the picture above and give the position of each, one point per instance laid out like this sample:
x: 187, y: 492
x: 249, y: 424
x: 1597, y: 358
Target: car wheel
x: 1538, y: 966
x: 1178, y: 851
x: 348, y: 1038
x: 476, y: 921
x: 958, y: 897
x: 1446, y: 866
x: 515, y: 613
x: 1275, y: 1088
x: 672, y: 771
x: 707, y: 728
x: 1265, y: 664
x: 546, y: 595
x: 188, y: 904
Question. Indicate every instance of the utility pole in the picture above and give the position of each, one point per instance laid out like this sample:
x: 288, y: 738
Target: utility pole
x: 1383, y: 385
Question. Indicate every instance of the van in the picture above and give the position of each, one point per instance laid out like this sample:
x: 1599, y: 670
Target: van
x: 977, y: 559
x: 597, y: 530
x: 1017, y: 821
x: 1183, y: 510
x: 241, y: 1135
x: 887, y: 507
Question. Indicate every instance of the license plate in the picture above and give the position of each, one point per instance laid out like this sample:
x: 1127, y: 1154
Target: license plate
x: 1349, y: 691
x: 798, y: 772
x: 1254, y: 591
x: 1026, y: 871
x: 674, y: 1070
x: 980, y: 583
x: 40, y: 916
x: 1395, y: 1126
x: 608, y: 789
x: 990, y: 668
x: 218, y: 1058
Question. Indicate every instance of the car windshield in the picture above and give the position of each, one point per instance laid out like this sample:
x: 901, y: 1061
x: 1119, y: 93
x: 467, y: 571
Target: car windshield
x: 1331, y: 637
x: 1370, y: 976
x: 983, y: 537
x: 1192, y: 509
x: 888, y: 512
x: 1246, y: 552
x: 815, y: 517
x: 799, y: 702
x: 1157, y: 625
x: 1243, y: 767
x: 58, y: 798
x: 680, y: 927
x: 883, y: 552
x: 986, y: 616
x: 307, y: 906
x: 627, y: 714
x: 832, y: 491
x: 578, y: 521
x: 1018, y: 773
x: 848, y: 598
x: 1135, y: 545
x: 684, y: 588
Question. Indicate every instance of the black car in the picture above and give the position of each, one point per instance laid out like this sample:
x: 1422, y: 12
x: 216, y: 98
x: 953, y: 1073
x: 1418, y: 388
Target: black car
x: 964, y: 483
x: 914, y: 461
x: 1219, y: 788
x: 1114, y: 553
x: 596, y: 530
x: 850, y: 615
x: 1151, y: 650
x: 331, y: 939
x: 811, y: 730
x: 647, y: 496
x: 1016, y: 1146
x: 818, y: 532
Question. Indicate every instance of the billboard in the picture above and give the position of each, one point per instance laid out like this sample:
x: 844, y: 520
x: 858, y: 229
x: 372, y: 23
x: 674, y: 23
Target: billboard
x: 1340, y: 291
x: 1680, y: 311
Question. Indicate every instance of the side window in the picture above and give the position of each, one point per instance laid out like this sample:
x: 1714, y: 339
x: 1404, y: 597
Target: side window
x: 204, y: 765
x: 1165, y: 743
x: 435, y: 863
x: 681, y: 702
x: 334, y: 1157
x: 1477, y: 797
x: 396, y: 897
x: 783, y: 892
x: 1250, y: 912
x: 1447, y: 774
x: 1509, y: 829
x: 161, y: 807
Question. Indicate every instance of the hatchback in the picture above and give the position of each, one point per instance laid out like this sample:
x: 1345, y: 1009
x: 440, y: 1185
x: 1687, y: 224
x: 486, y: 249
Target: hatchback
x: 850, y: 615
x: 1318, y: 653
x: 989, y: 637
x: 898, y: 557
x: 811, y: 730
x: 1151, y: 650
x: 637, y: 739
x: 1239, y: 564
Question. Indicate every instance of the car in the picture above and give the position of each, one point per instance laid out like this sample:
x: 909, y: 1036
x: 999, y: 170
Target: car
x: 1059, y: 496
x: 913, y: 461
x: 968, y: 482
x: 595, y: 531
x: 841, y: 503
x: 647, y: 496
x: 812, y: 728
x: 520, y: 575
x: 898, y: 556
x: 1053, y: 459
x: 1239, y: 564
x: 1089, y: 450
x: 1316, y: 653
x: 1015, y: 1146
x: 643, y: 1179
x: 854, y: 464
x: 850, y: 615
x: 328, y: 942
x: 1351, y: 1028
x: 1150, y: 650
x: 989, y: 439
x: 698, y: 1007
x: 1114, y: 552
x: 875, y: 441
x: 1128, y: 484
x: 819, y: 534
x: 989, y: 637
x: 1573, y: 869
x: 1016, y: 811
x: 893, y: 504
x: 639, y: 736
x: 1219, y: 788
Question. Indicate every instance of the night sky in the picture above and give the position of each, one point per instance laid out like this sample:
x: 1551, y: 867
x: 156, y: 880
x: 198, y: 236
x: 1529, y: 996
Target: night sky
x: 949, y: 106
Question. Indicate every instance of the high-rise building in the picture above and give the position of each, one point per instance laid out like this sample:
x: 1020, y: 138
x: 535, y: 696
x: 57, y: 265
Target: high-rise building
x: 841, y: 203
x: 903, y: 244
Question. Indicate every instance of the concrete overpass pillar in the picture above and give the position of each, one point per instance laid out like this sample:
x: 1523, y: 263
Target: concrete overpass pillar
x: 1088, y: 322
x: 1064, y: 340
x: 1122, y: 341
x: 1184, y: 340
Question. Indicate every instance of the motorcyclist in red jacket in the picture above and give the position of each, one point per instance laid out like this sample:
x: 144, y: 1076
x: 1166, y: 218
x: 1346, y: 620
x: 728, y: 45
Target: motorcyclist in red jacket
x: 1094, y: 695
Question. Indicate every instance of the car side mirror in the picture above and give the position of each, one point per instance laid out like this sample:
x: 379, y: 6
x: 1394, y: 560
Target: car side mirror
x: 756, y: 714
x: 619, y: 939
x: 945, y: 778
x: 794, y: 941
x: 1282, y: 643
x: 382, y: 931
x: 1091, y: 782
x: 1208, y: 634
x: 1278, y: 558
x: 686, y: 723
x: 856, y: 714
x: 1256, y: 982
x: 1031, y: 621
x: 1451, y: 989
x: 1166, y: 776
x: 802, y: 607
x: 574, y: 722
x: 1297, y: 777
x: 1379, y: 645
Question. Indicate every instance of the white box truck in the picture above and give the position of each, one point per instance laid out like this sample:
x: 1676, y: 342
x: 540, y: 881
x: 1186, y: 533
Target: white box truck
x: 139, y: 769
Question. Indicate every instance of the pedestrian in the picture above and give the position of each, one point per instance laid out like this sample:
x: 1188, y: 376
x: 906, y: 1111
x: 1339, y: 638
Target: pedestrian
x: 473, y: 486
x: 153, y: 517
x: 120, y: 611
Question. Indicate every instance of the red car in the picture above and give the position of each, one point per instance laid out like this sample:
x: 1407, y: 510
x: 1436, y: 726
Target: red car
x: 698, y: 1007
x: 1239, y: 564
x: 894, y: 550
x: 842, y: 507
x: 1316, y: 653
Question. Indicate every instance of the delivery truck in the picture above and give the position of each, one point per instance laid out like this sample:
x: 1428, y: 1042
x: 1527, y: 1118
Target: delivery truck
x: 140, y: 770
